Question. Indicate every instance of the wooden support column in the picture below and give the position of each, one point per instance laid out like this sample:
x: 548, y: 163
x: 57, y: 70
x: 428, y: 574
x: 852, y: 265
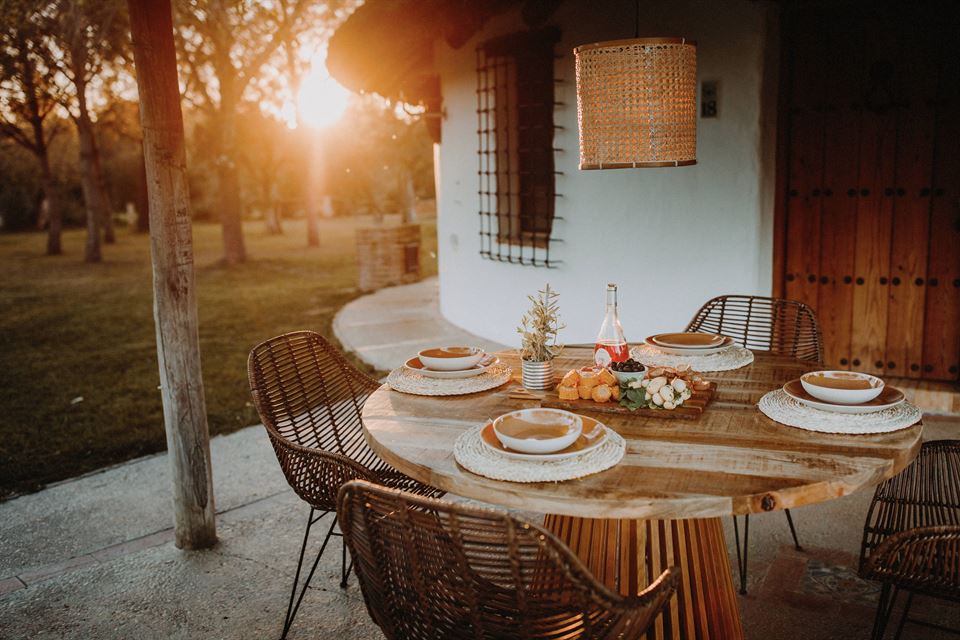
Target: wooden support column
x: 627, y: 555
x: 175, y: 301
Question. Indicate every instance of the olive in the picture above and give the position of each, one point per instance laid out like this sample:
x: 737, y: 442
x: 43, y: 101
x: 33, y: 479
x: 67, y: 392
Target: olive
x: 630, y: 365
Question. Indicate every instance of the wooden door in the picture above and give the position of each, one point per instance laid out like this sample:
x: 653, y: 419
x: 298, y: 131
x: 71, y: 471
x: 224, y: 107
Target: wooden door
x: 871, y: 199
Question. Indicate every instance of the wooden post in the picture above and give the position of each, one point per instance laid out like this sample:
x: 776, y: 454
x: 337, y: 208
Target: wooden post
x: 175, y: 302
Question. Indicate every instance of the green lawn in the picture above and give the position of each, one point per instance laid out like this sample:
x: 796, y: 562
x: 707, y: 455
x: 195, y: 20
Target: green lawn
x: 78, y: 366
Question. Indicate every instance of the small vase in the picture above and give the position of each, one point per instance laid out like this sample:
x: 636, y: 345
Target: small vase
x: 537, y: 375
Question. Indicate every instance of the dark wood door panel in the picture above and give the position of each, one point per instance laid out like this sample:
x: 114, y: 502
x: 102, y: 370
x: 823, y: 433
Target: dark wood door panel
x: 915, y: 89
x: 803, y: 208
x: 878, y: 144
x: 838, y: 213
x: 871, y: 196
x: 941, y: 347
x: 878, y: 141
x: 805, y: 168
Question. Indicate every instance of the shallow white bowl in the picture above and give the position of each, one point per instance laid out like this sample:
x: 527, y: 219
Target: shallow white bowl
x: 472, y: 357
x: 539, y: 444
x: 623, y: 377
x: 843, y: 396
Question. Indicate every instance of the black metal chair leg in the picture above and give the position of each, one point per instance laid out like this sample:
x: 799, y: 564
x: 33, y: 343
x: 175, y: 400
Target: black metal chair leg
x: 793, y: 531
x: 742, y: 554
x: 291, y: 607
x: 888, y: 598
x: 349, y: 570
x: 906, y: 613
x: 344, y: 570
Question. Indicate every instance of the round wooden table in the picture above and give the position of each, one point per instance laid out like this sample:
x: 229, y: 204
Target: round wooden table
x: 661, y: 505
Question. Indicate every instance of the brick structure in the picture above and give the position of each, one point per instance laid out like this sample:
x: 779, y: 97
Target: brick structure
x: 388, y: 255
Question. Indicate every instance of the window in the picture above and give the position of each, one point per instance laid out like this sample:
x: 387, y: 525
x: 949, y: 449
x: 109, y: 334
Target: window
x: 515, y: 103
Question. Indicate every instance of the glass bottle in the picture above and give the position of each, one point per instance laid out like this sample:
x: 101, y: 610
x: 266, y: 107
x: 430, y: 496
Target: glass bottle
x: 611, y: 345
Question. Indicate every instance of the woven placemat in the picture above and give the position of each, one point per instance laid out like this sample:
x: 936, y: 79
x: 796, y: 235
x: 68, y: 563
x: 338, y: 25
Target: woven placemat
x: 778, y: 406
x: 733, y: 357
x: 475, y: 456
x: 406, y: 381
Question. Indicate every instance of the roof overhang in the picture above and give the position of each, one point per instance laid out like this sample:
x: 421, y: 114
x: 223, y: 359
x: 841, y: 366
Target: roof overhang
x: 386, y: 46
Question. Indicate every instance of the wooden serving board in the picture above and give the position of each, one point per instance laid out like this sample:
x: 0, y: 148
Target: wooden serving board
x: 691, y: 409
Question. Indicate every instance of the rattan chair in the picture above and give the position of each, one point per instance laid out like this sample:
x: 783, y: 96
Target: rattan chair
x: 310, y: 398
x: 911, y: 538
x: 775, y: 325
x: 433, y: 569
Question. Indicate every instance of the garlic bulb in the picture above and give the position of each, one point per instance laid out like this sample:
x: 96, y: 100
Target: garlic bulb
x: 656, y: 384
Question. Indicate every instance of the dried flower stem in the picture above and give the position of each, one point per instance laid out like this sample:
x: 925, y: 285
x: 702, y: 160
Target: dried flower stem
x: 539, y: 327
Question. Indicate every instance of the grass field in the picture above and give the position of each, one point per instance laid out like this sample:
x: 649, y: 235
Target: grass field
x: 78, y: 365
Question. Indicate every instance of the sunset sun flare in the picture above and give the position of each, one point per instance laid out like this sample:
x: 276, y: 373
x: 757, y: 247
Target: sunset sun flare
x: 322, y: 99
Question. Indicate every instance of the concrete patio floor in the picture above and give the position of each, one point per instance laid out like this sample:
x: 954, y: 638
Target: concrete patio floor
x: 387, y: 327
x: 93, y: 557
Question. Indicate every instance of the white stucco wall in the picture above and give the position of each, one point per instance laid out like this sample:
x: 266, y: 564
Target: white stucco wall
x: 671, y: 238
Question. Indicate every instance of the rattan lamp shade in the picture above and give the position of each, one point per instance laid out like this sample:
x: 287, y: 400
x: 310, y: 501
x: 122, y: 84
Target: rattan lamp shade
x: 637, y: 103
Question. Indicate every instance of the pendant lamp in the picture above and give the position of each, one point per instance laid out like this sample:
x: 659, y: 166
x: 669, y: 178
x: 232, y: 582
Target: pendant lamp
x: 637, y: 103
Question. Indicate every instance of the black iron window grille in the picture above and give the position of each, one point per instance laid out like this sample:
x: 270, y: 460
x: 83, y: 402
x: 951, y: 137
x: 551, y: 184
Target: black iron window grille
x: 516, y: 99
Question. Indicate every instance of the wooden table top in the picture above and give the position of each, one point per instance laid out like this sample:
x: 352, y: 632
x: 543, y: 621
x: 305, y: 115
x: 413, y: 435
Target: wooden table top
x: 732, y: 460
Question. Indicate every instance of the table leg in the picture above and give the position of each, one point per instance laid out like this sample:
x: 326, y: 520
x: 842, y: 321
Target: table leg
x: 626, y: 555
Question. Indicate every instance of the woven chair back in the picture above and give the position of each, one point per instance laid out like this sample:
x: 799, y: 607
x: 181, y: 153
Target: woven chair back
x: 925, y: 494
x: 310, y: 398
x: 434, y: 569
x: 780, y: 326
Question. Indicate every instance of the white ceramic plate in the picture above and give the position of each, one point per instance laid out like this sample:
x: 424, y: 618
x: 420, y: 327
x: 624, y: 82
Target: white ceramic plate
x: 832, y: 395
x: 414, y: 364
x: 594, y: 434
x: 677, y: 351
x: 890, y: 397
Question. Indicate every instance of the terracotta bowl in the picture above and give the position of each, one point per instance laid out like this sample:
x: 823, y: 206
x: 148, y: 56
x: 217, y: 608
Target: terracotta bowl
x: 538, y: 430
x: 840, y: 387
x: 450, y: 358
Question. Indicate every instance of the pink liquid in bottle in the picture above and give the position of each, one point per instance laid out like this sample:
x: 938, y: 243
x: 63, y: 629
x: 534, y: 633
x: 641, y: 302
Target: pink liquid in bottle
x: 611, y: 345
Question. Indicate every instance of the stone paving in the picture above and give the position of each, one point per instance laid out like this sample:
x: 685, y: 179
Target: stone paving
x: 387, y: 327
x: 93, y: 557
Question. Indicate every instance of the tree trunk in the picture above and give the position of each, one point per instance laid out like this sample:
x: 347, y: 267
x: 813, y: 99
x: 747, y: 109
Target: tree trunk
x: 272, y: 217
x: 51, y: 196
x: 91, y: 190
x: 51, y: 213
x: 175, y: 302
x: 54, y: 213
x: 315, y: 189
x: 234, y: 251
x: 142, y: 201
x: 106, y: 220
x: 90, y: 173
x: 271, y: 203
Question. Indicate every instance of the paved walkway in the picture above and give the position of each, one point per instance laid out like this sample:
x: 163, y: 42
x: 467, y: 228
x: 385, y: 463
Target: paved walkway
x: 93, y: 558
x: 387, y: 327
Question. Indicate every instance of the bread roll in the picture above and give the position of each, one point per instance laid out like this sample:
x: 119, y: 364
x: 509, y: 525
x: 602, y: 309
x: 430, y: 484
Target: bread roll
x: 607, y: 378
x: 572, y: 379
x: 601, y: 393
x: 568, y: 393
x: 589, y: 379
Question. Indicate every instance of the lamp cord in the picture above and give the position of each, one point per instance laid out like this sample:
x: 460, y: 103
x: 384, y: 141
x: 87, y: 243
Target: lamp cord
x: 636, y: 32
